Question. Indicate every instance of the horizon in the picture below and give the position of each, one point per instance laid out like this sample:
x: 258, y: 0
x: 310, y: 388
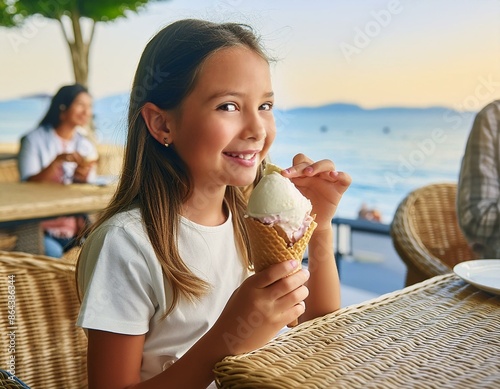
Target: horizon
x: 322, y: 105
x: 374, y: 53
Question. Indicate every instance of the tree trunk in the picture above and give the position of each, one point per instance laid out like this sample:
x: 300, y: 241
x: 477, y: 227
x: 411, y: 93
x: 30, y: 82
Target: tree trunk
x: 79, y: 49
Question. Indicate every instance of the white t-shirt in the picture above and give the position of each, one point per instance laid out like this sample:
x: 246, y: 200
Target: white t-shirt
x: 124, y: 287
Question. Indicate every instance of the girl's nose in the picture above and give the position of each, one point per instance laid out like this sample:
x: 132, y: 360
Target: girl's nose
x: 255, y: 127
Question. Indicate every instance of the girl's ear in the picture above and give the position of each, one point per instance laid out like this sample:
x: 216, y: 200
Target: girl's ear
x: 156, y: 121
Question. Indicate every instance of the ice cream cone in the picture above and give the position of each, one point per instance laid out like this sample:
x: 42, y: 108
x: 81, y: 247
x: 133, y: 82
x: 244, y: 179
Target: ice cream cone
x: 267, y: 247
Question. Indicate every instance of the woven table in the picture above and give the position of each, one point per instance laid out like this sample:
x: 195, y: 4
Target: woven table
x: 24, y: 204
x: 24, y: 200
x: 441, y: 333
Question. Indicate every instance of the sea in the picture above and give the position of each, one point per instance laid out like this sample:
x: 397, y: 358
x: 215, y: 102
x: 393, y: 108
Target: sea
x: 387, y: 151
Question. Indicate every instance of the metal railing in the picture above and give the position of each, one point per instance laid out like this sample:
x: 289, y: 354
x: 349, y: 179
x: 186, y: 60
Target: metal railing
x: 343, y: 229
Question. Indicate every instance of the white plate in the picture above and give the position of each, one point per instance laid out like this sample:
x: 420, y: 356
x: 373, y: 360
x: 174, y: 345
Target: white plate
x: 482, y: 273
x: 104, y: 180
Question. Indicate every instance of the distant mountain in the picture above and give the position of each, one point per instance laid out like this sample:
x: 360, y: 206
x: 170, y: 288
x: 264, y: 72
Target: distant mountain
x: 38, y: 96
x: 412, y: 110
x: 329, y: 108
x: 353, y: 108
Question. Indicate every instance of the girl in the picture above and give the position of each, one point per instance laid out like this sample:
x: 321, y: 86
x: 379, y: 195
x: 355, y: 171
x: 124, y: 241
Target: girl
x: 57, y: 152
x: 165, y: 273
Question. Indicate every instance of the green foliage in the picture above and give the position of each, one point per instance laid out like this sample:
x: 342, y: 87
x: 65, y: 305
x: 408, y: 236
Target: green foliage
x: 11, y: 14
x: 14, y: 12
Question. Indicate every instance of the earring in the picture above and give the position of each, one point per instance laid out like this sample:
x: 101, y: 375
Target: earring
x: 166, y: 142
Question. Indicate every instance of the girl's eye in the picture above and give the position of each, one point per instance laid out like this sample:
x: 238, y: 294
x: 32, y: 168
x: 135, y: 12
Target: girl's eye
x: 266, y: 107
x: 230, y: 107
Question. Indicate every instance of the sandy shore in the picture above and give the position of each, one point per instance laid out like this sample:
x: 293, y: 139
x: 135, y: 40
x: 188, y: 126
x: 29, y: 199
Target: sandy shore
x: 8, y: 148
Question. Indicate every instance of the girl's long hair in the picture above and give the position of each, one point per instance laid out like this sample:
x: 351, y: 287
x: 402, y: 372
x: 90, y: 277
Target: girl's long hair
x: 154, y: 178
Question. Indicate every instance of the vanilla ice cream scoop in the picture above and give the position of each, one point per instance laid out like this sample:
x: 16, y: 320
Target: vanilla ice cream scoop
x: 276, y: 201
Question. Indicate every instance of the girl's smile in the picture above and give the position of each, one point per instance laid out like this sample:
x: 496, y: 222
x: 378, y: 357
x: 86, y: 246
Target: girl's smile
x: 247, y: 159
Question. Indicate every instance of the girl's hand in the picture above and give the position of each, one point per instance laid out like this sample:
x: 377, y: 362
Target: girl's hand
x: 320, y: 183
x: 263, y: 304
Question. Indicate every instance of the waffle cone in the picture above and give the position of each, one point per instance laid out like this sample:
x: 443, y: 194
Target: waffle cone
x: 267, y: 247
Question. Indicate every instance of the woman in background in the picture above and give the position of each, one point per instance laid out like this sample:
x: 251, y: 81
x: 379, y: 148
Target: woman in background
x: 57, y: 151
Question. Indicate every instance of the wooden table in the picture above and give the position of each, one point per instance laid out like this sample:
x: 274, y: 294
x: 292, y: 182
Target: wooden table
x: 23, y: 205
x: 441, y: 333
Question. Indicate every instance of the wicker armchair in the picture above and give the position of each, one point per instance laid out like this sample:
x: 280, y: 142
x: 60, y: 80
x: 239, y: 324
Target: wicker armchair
x: 426, y: 235
x: 38, y: 315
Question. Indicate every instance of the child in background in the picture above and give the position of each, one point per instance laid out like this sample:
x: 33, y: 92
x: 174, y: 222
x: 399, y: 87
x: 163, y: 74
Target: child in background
x: 165, y: 273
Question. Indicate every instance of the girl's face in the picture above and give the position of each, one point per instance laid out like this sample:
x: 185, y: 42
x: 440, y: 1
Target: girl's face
x: 225, y: 126
x: 79, y: 112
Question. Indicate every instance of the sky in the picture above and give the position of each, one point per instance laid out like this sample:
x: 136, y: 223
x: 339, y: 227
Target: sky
x: 374, y: 53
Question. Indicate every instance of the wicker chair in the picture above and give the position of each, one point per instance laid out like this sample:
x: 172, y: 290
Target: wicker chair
x: 50, y: 351
x: 426, y: 235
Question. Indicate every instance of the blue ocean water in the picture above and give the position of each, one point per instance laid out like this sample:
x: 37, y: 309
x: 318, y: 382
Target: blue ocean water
x: 388, y: 152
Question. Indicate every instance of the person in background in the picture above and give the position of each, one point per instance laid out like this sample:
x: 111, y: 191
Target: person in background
x: 57, y: 152
x: 370, y: 214
x: 165, y: 273
x: 478, y: 197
